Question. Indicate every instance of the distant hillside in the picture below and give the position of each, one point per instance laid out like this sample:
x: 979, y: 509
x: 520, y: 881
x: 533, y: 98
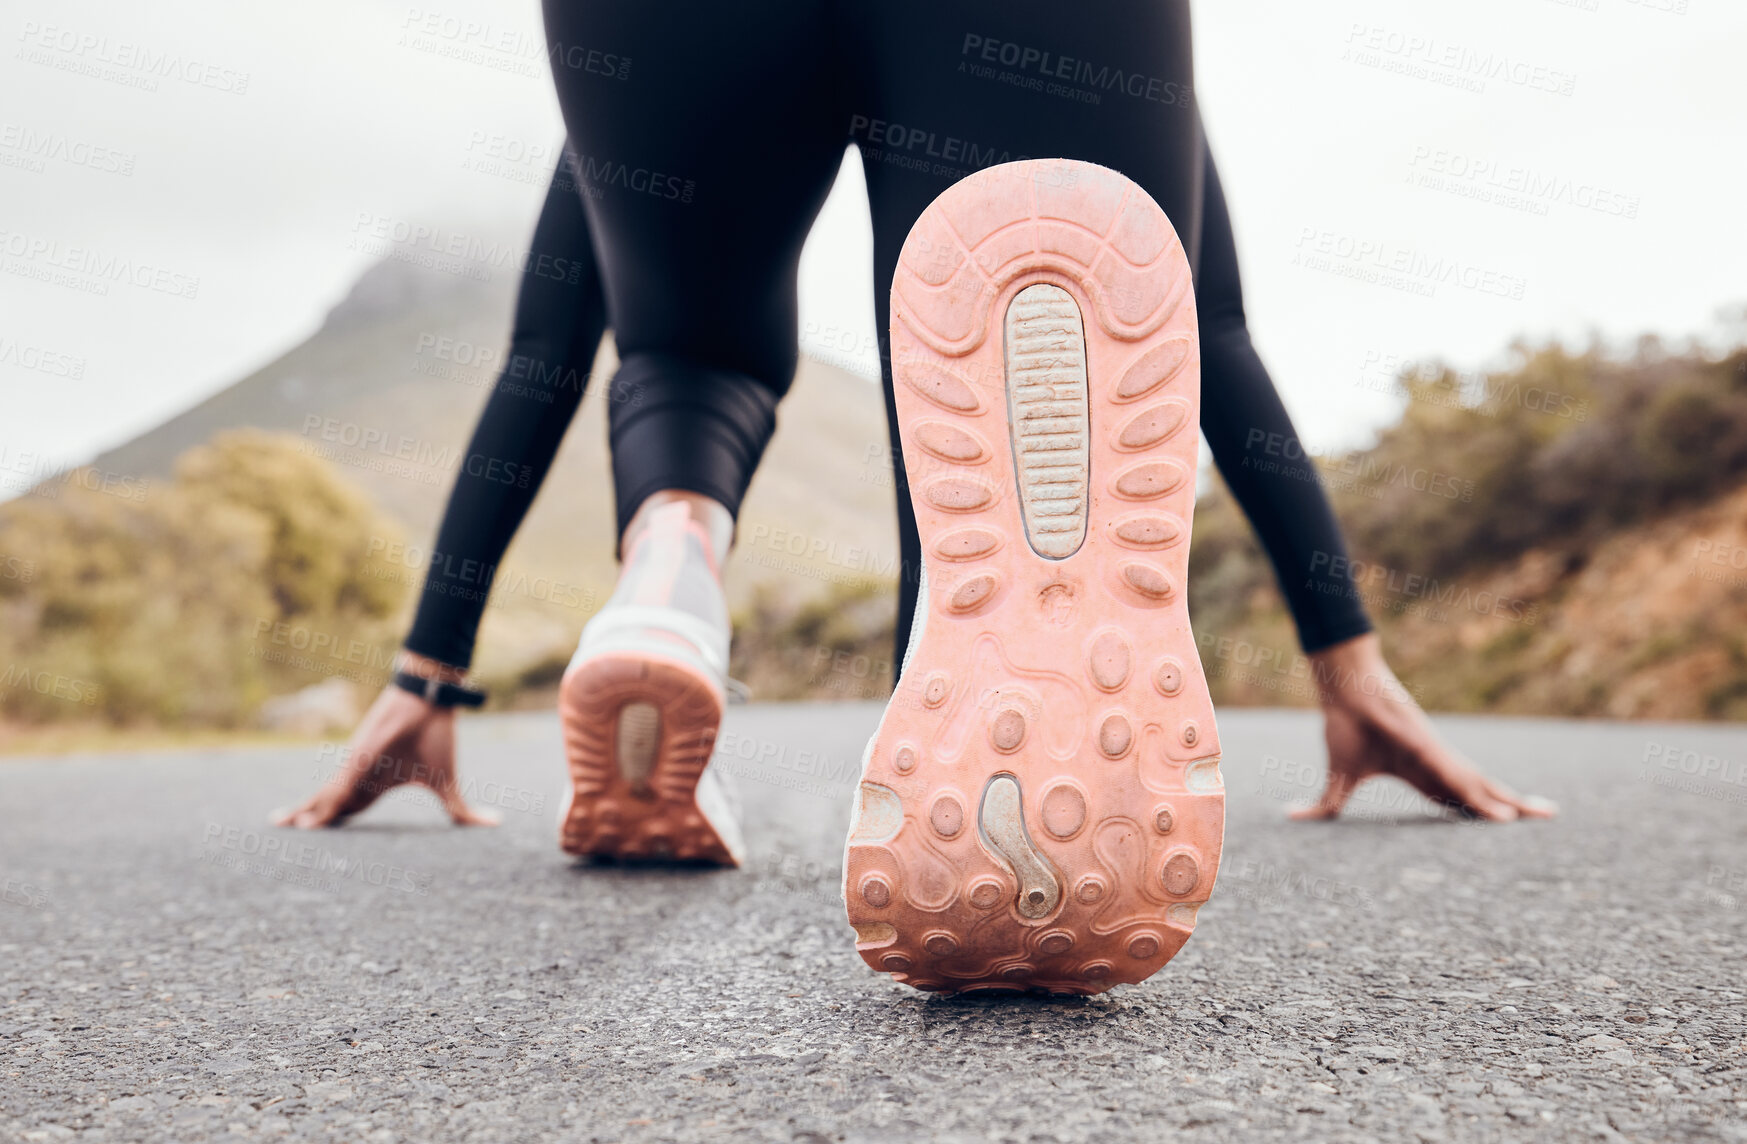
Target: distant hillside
x: 393, y: 361
x: 366, y: 349
x: 1568, y: 537
x: 1649, y: 622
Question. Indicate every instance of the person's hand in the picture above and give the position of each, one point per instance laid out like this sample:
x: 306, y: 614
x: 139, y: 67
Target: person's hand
x: 1374, y: 728
x: 402, y: 739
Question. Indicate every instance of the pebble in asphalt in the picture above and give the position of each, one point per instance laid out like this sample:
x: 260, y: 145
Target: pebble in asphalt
x: 164, y: 977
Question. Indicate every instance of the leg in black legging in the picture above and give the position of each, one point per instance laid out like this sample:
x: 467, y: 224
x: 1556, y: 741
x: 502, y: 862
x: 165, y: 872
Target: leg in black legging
x: 1240, y: 407
x: 930, y: 107
x: 560, y: 316
x: 935, y: 105
x: 714, y: 343
x: 702, y: 173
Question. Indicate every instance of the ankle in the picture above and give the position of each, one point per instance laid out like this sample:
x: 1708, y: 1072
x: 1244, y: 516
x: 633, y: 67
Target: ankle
x: 708, y: 517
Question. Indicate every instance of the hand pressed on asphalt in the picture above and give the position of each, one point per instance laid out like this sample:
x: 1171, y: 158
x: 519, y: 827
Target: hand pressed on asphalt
x: 1375, y: 729
x: 402, y: 739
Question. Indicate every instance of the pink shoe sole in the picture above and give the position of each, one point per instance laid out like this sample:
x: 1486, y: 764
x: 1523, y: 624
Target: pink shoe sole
x: 1042, y: 806
x: 638, y: 732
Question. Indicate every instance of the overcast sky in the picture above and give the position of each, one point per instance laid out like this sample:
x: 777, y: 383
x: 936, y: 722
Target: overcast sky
x: 1589, y: 179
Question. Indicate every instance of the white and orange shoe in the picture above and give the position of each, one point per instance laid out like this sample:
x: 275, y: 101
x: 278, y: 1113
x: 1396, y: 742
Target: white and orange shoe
x: 641, y: 704
x: 1041, y: 807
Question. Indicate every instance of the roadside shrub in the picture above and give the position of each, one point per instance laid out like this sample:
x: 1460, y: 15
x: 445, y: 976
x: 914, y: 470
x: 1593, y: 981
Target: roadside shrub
x: 1560, y: 450
x: 159, y: 607
x: 1557, y: 453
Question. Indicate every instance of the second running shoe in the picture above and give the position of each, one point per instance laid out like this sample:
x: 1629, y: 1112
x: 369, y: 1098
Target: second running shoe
x: 641, y: 704
x: 1041, y: 807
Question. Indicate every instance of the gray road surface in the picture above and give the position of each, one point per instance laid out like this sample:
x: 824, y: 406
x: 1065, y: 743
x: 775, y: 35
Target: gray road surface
x: 173, y: 969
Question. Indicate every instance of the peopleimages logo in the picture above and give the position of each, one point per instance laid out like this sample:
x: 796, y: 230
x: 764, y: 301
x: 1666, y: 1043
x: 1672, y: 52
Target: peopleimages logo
x: 47, y: 683
x: 1385, y: 262
x: 27, y: 356
x: 503, y: 48
x: 39, y: 147
x: 1068, y: 69
x: 368, y: 439
x: 1252, y: 879
x: 1416, y: 586
x: 1375, y: 473
x: 1695, y: 764
x: 16, y: 893
x: 282, y: 859
x: 86, y: 50
x: 328, y: 645
x: 1432, y: 383
x: 1489, y: 176
x: 597, y: 173
x: 43, y: 476
x: 473, y: 256
x: 465, y: 578
x: 89, y: 269
x: 1457, y: 65
x: 388, y: 772
x: 931, y: 144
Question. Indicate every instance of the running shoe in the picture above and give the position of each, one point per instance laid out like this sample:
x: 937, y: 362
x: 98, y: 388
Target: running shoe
x: 1041, y: 807
x: 641, y: 703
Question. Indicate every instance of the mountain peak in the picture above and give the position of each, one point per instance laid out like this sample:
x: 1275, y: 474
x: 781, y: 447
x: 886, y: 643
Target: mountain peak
x: 401, y: 284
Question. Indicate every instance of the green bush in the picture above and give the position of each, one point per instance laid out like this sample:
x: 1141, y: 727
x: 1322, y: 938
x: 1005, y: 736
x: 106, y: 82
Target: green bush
x: 1560, y: 450
x: 1558, y: 453
x: 161, y: 605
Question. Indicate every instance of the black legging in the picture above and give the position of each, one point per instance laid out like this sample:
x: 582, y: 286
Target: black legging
x: 699, y: 168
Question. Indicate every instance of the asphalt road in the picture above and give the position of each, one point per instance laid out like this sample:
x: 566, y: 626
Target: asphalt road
x: 173, y: 969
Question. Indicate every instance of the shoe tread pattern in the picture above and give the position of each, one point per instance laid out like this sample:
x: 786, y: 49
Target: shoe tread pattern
x: 1076, y: 675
